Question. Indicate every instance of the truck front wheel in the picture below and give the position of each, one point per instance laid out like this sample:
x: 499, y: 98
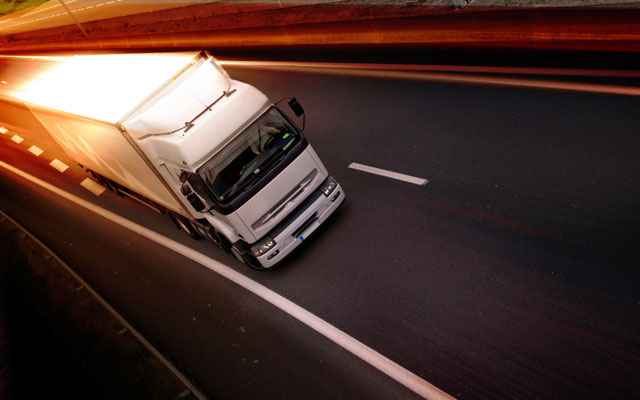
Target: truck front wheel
x: 184, y: 225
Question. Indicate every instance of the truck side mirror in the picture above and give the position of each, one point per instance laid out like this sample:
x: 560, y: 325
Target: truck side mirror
x: 186, y: 190
x: 184, y: 176
x: 296, y: 107
x: 195, y: 202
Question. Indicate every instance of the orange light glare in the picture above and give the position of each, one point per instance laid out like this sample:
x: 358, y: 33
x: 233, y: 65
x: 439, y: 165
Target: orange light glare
x: 103, y: 87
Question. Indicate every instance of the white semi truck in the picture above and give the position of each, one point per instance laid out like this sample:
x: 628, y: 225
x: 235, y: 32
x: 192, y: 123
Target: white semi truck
x: 174, y: 131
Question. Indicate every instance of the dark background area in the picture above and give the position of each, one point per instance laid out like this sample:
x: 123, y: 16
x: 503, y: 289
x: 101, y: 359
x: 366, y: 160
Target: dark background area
x: 38, y: 362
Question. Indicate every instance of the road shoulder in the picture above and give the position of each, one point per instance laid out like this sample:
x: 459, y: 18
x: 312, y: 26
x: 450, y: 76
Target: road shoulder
x: 58, y: 339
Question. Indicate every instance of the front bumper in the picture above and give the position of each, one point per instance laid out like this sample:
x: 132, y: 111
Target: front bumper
x: 301, y: 223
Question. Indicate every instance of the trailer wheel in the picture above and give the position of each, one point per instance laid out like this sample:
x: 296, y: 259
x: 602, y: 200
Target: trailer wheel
x: 184, y: 225
x: 241, y: 251
x: 115, y: 187
x: 106, y: 183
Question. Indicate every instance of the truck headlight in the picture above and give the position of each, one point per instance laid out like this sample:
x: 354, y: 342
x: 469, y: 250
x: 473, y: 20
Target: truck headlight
x: 328, y: 186
x: 263, y: 246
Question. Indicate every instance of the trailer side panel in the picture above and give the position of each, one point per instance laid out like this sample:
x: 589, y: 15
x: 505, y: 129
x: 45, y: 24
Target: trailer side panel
x: 102, y: 148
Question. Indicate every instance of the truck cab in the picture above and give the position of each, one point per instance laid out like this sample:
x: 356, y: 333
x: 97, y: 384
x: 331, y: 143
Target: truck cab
x: 243, y: 165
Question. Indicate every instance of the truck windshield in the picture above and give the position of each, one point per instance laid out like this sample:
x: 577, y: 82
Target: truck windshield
x: 237, y: 166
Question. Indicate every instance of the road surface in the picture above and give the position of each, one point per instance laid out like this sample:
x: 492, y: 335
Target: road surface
x: 512, y: 273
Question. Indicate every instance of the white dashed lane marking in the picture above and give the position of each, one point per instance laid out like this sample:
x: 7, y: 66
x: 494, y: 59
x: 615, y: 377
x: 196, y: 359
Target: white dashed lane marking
x: 389, y: 174
x: 92, y: 186
x: 17, y: 139
x: 37, y: 151
x: 59, y: 165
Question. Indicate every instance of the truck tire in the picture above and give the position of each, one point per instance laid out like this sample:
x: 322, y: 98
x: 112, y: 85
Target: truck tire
x: 209, y: 232
x: 106, y: 183
x: 115, y: 187
x: 222, y: 242
x: 184, y: 225
x: 241, y: 251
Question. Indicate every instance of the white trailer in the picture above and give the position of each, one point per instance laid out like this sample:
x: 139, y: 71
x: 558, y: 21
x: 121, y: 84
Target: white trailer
x: 175, y: 131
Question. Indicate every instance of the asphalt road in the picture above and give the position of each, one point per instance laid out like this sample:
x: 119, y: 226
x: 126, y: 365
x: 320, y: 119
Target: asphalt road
x: 511, y: 274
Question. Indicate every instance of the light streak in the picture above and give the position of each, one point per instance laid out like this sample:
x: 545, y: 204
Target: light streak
x: 445, y: 68
x: 437, y: 75
x: 103, y: 87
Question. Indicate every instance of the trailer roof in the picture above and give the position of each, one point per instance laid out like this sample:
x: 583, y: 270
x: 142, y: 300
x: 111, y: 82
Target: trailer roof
x: 105, y: 87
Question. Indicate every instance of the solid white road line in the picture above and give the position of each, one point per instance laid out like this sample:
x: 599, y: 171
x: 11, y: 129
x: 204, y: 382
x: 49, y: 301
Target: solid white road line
x: 92, y: 186
x: 372, y: 357
x: 17, y: 139
x: 389, y: 174
x: 37, y: 151
x: 59, y: 165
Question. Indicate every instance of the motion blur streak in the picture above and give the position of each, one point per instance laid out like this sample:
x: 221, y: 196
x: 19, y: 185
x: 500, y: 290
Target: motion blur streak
x: 451, y: 68
x: 382, y: 72
x: 373, y: 358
